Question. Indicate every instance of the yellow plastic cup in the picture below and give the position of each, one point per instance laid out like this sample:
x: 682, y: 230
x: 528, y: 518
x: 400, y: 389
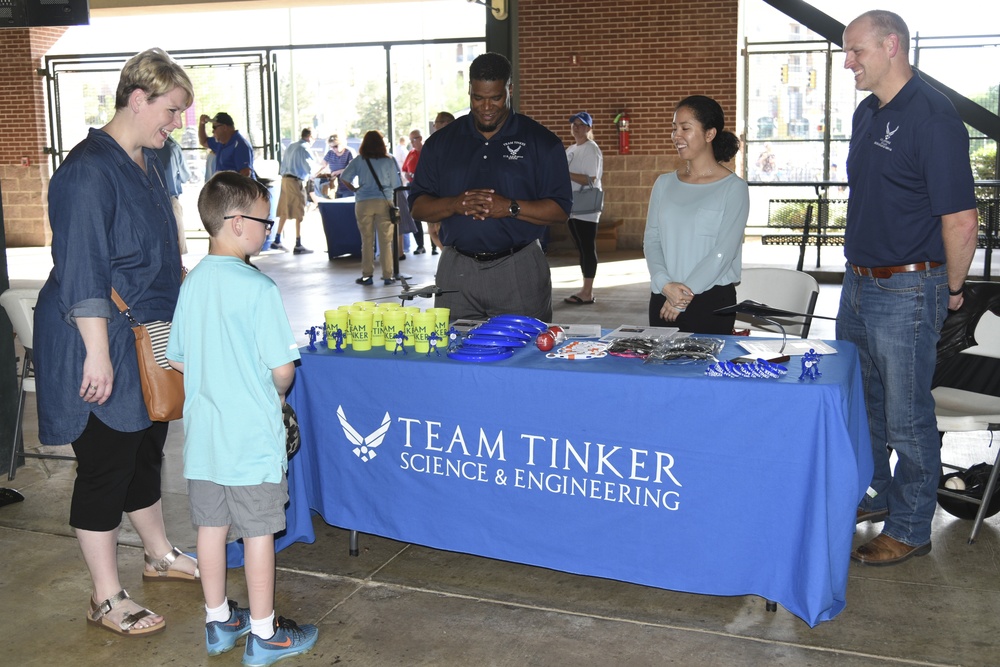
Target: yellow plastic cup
x: 423, y: 326
x: 442, y: 321
x: 335, y: 319
x: 361, y: 330
x: 410, y: 312
x: 378, y: 327
x: 347, y: 331
x: 393, y: 321
x: 364, y: 305
x: 388, y: 305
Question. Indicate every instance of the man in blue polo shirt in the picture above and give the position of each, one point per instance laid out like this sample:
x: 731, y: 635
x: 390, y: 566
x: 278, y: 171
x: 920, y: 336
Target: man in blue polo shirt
x: 910, y: 238
x: 232, y: 151
x: 494, y: 179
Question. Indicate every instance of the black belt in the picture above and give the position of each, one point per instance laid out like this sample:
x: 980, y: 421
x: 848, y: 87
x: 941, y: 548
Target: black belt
x: 290, y: 176
x: 490, y: 256
x: 888, y: 271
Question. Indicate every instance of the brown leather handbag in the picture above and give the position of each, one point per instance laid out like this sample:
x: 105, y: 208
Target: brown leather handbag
x: 162, y: 386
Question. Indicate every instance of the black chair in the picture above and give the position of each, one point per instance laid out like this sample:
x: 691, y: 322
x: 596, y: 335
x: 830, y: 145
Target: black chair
x: 967, y: 398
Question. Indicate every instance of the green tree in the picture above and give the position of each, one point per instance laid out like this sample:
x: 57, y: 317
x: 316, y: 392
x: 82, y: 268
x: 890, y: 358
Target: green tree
x: 372, y: 110
x: 407, y: 108
x: 457, y: 96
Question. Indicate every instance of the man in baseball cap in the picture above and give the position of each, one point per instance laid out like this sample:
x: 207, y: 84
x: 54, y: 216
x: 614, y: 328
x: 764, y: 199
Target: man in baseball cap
x: 232, y: 151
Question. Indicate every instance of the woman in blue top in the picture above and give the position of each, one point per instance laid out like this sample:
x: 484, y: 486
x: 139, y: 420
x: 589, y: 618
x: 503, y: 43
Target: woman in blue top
x: 694, y: 228
x: 337, y: 159
x: 113, y: 227
x: 378, y: 177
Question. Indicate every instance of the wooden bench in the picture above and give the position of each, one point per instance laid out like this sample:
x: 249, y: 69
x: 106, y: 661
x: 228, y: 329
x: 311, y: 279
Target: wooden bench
x: 806, y: 222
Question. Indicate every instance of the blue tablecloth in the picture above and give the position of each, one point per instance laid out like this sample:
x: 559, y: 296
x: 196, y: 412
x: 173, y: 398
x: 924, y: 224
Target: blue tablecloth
x: 340, y: 225
x: 650, y: 474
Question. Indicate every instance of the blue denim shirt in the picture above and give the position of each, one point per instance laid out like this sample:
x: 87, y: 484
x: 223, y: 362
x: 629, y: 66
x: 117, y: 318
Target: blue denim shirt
x: 175, y: 169
x: 112, y: 226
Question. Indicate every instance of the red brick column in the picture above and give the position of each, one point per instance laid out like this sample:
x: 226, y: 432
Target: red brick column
x: 25, y: 135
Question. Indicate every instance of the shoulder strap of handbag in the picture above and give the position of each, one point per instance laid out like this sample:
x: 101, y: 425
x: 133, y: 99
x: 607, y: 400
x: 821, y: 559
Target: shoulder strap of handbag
x: 122, y: 307
x: 377, y: 182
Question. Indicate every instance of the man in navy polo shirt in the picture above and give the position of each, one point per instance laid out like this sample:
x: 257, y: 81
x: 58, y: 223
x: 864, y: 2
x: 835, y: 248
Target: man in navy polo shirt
x: 494, y: 179
x: 910, y: 238
x: 232, y: 151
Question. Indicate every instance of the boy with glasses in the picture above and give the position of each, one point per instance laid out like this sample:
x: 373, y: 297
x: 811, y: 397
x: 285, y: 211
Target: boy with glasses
x: 231, y: 339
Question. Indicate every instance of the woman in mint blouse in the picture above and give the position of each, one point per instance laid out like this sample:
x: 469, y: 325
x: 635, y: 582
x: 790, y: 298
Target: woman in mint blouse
x: 694, y: 228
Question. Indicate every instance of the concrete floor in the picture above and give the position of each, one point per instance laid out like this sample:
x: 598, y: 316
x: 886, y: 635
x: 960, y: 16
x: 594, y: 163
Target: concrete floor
x: 399, y: 604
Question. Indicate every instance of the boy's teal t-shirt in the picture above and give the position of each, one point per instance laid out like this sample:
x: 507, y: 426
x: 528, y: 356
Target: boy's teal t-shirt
x: 230, y: 329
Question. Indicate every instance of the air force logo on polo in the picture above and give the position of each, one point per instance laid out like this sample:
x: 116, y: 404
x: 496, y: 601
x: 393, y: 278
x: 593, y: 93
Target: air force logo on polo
x: 514, y: 150
x: 526, y: 462
x: 886, y: 141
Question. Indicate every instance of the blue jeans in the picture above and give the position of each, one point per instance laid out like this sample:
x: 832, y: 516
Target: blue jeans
x: 896, y: 323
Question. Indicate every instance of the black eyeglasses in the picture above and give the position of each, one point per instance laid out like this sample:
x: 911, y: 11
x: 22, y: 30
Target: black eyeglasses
x: 264, y: 221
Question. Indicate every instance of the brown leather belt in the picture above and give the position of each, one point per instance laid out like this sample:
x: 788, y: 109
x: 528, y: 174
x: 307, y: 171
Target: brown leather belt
x: 887, y: 271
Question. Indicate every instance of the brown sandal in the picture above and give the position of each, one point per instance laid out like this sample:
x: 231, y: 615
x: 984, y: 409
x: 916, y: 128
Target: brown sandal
x: 98, y: 615
x: 162, y: 572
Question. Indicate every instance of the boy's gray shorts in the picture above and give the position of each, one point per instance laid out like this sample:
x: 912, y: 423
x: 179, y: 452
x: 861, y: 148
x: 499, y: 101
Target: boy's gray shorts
x: 252, y: 511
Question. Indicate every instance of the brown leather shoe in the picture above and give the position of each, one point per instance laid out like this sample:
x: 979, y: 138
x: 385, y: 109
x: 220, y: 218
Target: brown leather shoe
x: 875, y: 516
x: 884, y: 550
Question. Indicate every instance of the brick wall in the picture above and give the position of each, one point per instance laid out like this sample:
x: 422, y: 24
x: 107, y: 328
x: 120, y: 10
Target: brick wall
x: 640, y: 55
x: 25, y: 188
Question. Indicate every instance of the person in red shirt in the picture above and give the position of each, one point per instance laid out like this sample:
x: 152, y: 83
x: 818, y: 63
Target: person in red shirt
x: 409, y: 169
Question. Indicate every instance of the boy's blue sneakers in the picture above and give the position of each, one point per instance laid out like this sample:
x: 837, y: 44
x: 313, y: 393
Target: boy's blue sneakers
x: 289, y: 639
x: 221, y: 636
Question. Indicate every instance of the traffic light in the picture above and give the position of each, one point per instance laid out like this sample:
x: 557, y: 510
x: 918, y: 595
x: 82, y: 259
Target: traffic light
x: 784, y: 74
x: 812, y: 78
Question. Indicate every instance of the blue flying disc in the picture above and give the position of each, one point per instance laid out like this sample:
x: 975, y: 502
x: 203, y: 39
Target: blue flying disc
x: 465, y: 354
x: 494, y: 340
x: 487, y: 330
x: 520, y: 320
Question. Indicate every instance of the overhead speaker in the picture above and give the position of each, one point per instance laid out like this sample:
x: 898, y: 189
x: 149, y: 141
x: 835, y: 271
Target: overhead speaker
x: 40, y: 13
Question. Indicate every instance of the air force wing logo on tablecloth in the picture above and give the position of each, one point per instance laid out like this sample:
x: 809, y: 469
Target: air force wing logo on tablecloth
x: 364, y: 447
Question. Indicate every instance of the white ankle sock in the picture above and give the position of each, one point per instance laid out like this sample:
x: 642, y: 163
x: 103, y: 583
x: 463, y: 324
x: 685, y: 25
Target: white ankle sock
x: 263, y: 628
x: 218, y: 615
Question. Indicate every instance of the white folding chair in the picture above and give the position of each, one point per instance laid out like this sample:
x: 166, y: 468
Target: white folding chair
x: 786, y: 289
x: 20, y: 306
x: 970, y: 408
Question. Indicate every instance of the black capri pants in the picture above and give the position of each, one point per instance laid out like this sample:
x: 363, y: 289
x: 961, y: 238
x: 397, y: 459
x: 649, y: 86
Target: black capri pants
x: 700, y: 315
x: 584, y: 233
x: 116, y: 472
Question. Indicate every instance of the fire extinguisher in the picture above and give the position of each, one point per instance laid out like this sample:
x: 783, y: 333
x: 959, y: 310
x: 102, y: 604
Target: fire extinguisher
x: 622, y: 120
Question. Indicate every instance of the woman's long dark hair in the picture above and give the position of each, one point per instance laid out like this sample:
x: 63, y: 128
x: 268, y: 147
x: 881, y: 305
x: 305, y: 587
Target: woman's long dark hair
x: 725, y: 145
x: 373, y: 145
